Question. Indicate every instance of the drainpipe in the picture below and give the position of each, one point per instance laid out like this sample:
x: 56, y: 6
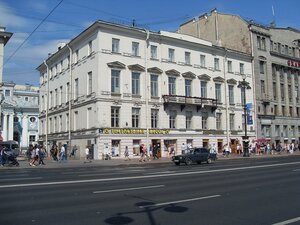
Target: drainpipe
x: 70, y: 95
x: 146, y: 87
x: 226, y: 95
x: 47, y: 106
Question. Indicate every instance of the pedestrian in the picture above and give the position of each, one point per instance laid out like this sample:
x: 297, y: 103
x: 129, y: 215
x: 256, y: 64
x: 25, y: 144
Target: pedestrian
x: 183, y: 148
x: 73, y: 152
x: 42, y: 154
x: 62, y: 153
x: 2, y: 159
x: 155, y: 152
x: 34, y: 155
x: 142, y: 154
x: 87, y: 154
x: 126, y: 153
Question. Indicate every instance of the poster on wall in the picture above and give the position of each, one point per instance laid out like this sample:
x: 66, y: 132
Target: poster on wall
x: 249, y: 115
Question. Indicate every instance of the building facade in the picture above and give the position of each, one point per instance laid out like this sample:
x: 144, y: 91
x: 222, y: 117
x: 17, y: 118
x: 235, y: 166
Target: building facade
x: 114, y: 86
x: 20, y: 112
x: 276, y: 68
x: 4, y: 38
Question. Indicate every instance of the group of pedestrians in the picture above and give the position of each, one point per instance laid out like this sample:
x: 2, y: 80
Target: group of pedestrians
x: 37, y: 155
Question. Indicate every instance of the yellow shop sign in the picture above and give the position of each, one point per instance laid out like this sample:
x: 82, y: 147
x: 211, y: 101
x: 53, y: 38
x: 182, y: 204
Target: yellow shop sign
x: 132, y: 131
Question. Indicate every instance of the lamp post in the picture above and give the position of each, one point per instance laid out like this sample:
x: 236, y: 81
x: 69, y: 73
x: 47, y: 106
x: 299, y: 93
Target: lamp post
x: 244, y: 85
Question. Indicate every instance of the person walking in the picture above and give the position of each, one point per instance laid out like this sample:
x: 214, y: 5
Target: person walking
x: 34, y: 155
x: 142, y: 153
x: 87, y: 154
x: 126, y: 153
x: 73, y: 152
x: 42, y: 154
x: 62, y: 153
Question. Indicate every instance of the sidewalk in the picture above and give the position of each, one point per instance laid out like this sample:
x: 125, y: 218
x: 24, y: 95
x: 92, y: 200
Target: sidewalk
x: 134, y: 161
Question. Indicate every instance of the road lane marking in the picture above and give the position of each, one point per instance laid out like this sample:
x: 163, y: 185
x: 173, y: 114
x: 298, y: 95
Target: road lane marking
x: 162, y: 172
x: 288, y: 221
x: 296, y: 170
x: 147, y: 176
x: 128, y: 189
x: 181, y: 201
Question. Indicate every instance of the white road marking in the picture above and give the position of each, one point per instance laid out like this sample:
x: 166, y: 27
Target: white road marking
x: 128, y: 189
x: 296, y: 170
x: 146, y: 176
x: 181, y: 201
x: 162, y: 172
x: 21, y: 178
x: 288, y: 221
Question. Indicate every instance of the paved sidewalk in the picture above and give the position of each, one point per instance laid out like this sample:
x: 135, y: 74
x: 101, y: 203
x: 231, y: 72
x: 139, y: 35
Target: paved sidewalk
x: 133, y: 162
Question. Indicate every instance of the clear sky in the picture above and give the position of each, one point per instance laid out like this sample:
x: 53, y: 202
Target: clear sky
x: 22, y: 17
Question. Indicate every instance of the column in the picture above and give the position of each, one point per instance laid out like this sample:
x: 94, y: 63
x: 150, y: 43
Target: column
x: 4, y: 131
x: 278, y: 91
x: 286, y: 94
x: 10, y: 135
x: 24, y: 140
x: 293, y: 103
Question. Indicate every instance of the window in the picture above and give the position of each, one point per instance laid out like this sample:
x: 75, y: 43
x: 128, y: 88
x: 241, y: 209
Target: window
x: 231, y: 94
x: 216, y: 64
x: 277, y: 130
x: 286, y: 49
x: 296, y: 93
x: 279, y: 47
x: 171, y: 55
x: 67, y: 122
x: 153, y: 52
x: 115, y: 81
x: 218, y: 121
x: 76, y: 56
x: 258, y: 42
x: 31, y: 138
x: 282, y: 91
x: 7, y: 92
x: 229, y: 65
x: 56, y: 97
x: 60, y: 95
x: 50, y: 126
x: 172, y: 85
x: 75, y: 120
x: 55, y: 125
x: 88, y: 118
x: 243, y: 90
x: 135, y: 117
x: 135, y: 79
x: 274, y: 91
x: 242, y: 68
x: 202, y: 61
x: 290, y: 92
x: 115, y: 45
x: 262, y: 87
x: 154, y: 85
x: 89, y: 83
x: 188, y: 87
x: 60, y: 123
x: 76, y: 88
x: 115, y: 116
x: 154, y: 118
x: 203, y: 86
x: 263, y: 43
x: 60, y: 66
x: 67, y: 91
x: 218, y: 92
x: 135, y: 48
x: 261, y: 67
x: 50, y: 100
x: 188, y: 120
x: 187, y: 57
x: 204, y: 120
x: 172, y: 119
x: 231, y: 121
x: 90, y: 48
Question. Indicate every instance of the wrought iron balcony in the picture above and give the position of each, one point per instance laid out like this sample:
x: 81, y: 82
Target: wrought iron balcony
x: 199, y: 102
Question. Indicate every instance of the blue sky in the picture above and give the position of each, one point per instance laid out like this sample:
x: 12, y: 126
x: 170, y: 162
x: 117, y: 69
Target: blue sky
x: 21, y: 17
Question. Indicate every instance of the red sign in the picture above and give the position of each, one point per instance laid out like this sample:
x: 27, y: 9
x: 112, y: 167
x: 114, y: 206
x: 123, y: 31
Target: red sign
x: 293, y: 63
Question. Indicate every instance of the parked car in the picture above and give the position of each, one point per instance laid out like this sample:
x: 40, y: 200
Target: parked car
x: 197, y: 155
x: 11, y: 146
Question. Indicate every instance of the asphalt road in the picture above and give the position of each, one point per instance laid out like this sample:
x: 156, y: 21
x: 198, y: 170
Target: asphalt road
x: 243, y: 191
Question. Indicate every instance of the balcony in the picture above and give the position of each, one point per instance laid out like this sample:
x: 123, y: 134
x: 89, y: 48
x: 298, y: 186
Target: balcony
x: 199, y: 102
x: 265, y: 98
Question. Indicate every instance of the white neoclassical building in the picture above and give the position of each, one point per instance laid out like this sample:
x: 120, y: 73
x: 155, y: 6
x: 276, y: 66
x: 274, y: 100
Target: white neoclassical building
x: 114, y: 86
x: 20, y: 111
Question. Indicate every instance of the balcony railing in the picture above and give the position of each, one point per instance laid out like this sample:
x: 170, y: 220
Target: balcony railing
x: 200, y: 102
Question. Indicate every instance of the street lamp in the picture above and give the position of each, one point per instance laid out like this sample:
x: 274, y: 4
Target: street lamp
x: 245, y: 85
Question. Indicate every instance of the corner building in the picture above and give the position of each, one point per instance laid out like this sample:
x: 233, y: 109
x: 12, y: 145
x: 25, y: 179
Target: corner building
x: 276, y: 68
x: 114, y: 86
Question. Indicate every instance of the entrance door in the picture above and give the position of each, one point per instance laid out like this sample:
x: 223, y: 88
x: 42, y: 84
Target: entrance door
x: 156, y: 143
x: 220, y: 145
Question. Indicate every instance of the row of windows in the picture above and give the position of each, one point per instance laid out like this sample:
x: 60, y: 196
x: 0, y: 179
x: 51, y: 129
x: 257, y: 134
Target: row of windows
x: 280, y: 131
x: 171, y: 56
x: 56, y: 97
x: 154, y: 86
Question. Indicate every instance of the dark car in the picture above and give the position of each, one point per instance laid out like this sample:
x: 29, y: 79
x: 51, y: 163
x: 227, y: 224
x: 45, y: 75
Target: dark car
x: 197, y: 155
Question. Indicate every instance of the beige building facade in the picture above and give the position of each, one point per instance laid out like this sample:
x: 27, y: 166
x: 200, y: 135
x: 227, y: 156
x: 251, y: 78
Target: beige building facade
x: 276, y: 68
x: 114, y: 86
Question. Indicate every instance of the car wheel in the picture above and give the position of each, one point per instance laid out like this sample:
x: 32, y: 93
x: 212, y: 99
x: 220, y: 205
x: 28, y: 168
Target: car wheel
x: 208, y: 161
x: 188, y: 161
x: 199, y: 162
x: 177, y: 163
